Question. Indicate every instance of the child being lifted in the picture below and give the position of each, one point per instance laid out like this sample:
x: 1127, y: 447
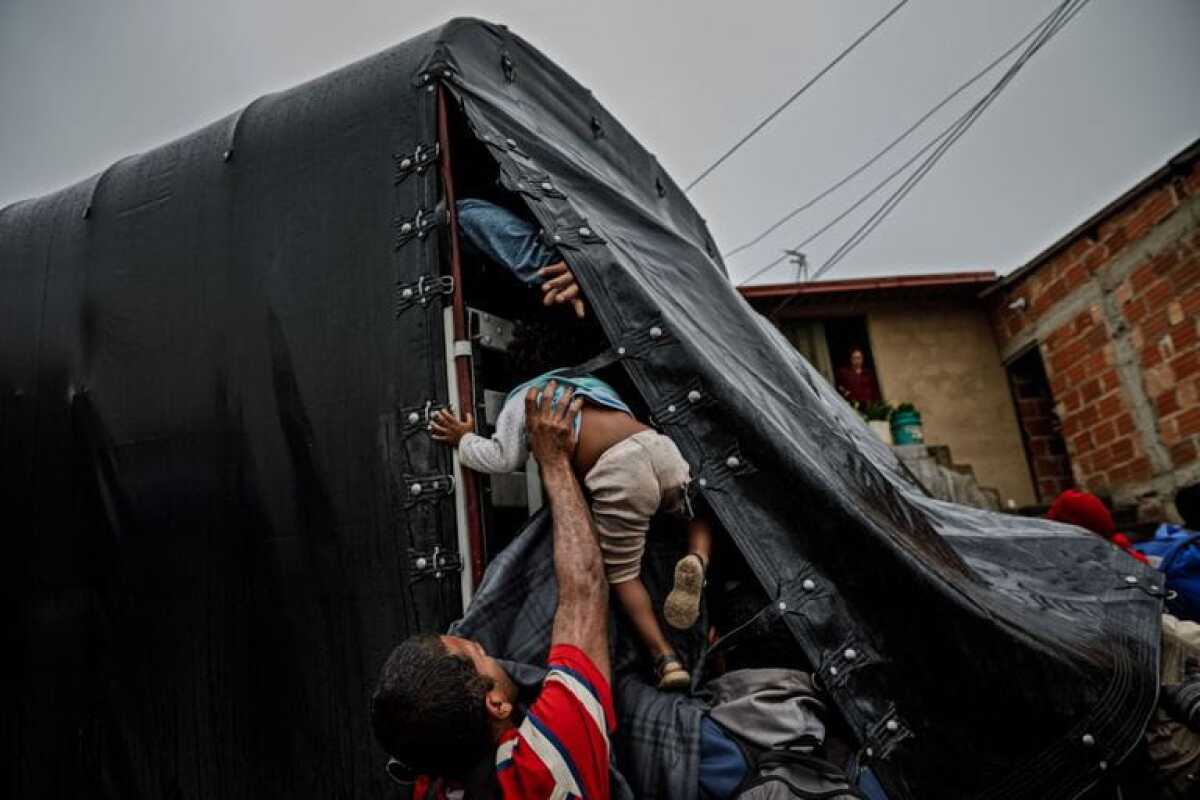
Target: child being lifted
x: 631, y: 472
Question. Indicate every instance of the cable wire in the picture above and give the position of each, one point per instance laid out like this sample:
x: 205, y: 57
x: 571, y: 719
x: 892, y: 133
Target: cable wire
x: 869, y: 162
x: 795, y: 95
x: 1069, y: 9
x: 1062, y: 15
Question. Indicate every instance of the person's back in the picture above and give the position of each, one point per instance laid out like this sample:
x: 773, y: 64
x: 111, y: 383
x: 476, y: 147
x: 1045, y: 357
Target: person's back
x: 1175, y: 551
x: 631, y: 472
x: 604, y: 421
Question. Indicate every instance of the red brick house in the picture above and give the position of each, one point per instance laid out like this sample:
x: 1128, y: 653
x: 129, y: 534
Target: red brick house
x: 1102, y: 330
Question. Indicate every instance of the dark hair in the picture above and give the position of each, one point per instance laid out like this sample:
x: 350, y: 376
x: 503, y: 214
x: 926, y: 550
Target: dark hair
x: 428, y: 709
x: 1187, y: 503
x: 538, y: 347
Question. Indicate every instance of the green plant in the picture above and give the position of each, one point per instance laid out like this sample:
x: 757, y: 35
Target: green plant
x: 877, y: 411
x: 909, y: 407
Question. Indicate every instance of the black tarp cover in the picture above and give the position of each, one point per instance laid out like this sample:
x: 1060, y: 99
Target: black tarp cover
x: 205, y: 379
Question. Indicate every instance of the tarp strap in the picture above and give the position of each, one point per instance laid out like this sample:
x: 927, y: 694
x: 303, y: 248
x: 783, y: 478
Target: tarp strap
x: 421, y: 291
x: 422, y: 156
x: 418, y: 225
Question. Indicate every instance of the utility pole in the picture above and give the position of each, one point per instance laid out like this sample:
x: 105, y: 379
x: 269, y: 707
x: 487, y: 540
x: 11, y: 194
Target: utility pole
x: 801, y: 262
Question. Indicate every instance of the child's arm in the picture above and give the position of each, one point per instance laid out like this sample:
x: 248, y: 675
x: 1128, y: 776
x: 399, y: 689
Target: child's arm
x: 506, y: 451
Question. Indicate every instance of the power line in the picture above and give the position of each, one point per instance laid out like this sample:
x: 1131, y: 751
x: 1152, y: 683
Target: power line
x: 1068, y: 10
x: 848, y: 210
x: 794, y: 96
x: 1062, y: 15
x: 869, y: 162
x: 1045, y: 29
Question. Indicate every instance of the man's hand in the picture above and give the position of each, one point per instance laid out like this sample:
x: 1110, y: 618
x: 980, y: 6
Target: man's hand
x: 581, y: 618
x: 450, y: 429
x: 559, y: 286
x: 551, y: 425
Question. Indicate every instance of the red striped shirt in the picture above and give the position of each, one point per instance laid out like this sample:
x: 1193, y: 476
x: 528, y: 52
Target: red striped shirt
x: 561, y: 749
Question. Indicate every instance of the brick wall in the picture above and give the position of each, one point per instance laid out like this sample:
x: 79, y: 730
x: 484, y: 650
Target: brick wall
x: 1115, y: 312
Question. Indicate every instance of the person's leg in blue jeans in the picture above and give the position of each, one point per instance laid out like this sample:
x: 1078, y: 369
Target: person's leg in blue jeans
x: 511, y: 241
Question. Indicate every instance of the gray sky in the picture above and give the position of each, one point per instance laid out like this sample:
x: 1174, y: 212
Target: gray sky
x: 1107, y: 101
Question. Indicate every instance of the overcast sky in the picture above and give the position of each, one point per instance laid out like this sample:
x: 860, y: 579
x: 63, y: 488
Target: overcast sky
x: 1111, y: 98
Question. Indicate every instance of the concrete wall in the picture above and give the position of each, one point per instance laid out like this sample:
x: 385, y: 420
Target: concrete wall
x: 942, y: 357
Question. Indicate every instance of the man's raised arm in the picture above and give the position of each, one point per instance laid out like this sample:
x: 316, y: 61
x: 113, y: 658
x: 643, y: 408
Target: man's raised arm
x: 581, y: 618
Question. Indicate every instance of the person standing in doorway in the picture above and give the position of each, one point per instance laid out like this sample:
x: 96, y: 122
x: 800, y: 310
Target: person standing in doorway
x: 856, y: 381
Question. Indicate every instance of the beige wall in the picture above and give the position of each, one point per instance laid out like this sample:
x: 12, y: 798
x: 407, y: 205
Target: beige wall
x: 943, y: 359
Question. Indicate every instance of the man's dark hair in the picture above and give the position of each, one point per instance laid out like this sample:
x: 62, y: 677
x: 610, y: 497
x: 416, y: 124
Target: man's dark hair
x: 428, y: 709
x: 1187, y: 503
x: 538, y: 347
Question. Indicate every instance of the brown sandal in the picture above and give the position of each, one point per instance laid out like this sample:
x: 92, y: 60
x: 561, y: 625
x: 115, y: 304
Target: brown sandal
x: 672, y: 677
x: 682, y: 606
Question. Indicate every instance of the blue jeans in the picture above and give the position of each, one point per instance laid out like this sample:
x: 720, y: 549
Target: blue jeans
x: 501, y: 236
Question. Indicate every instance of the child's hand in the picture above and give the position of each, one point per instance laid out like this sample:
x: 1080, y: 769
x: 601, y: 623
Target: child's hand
x: 450, y: 429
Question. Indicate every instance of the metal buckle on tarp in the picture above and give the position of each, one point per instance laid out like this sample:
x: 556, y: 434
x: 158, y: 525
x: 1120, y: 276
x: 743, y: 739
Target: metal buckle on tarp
x: 421, y: 291
x: 502, y: 143
x: 427, y: 488
x: 882, y: 737
x: 435, y: 563
x: 574, y: 234
x: 416, y: 161
x: 437, y: 68
x: 415, y: 419
x: 535, y: 185
x: 417, y: 226
x: 717, y: 471
x: 682, y: 401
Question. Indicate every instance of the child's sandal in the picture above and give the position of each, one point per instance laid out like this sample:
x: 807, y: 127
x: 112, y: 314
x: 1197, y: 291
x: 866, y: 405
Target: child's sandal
x: 682, y: 606
x: 672, y: 677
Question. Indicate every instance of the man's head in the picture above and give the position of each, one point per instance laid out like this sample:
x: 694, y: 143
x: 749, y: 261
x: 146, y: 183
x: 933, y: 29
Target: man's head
x: 1187, y: 503
x: 857, y: 359
x: 441, y: 704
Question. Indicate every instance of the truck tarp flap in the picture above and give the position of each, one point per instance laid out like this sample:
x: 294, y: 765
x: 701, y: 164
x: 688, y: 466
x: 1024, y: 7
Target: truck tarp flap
x: 209, y: 376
